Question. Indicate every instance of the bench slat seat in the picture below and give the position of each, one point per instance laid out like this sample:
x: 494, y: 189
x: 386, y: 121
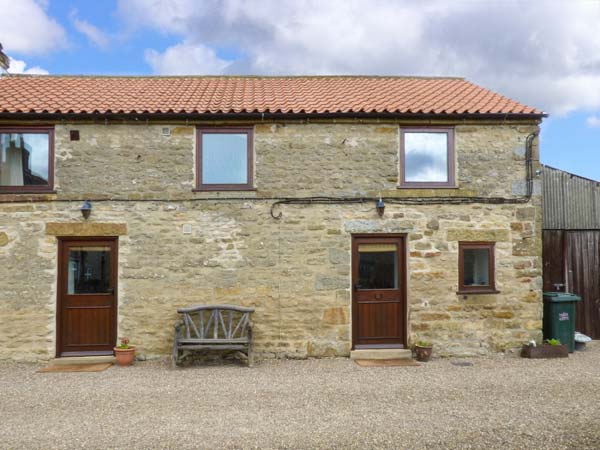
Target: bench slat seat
x: 213, y: 327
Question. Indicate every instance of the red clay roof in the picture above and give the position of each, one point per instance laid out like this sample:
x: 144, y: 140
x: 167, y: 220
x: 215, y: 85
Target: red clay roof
x: 238, y: 94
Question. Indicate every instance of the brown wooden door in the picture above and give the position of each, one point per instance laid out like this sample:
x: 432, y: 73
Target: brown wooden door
x: 553, y: 260
x: 87, y: 297
x: 583, y: 279
x: 379, y: 292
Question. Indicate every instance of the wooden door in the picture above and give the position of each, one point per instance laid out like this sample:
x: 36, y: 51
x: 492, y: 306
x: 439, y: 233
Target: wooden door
x: 583, y: 278
x: 379, y: 291
x: 553, y: 260
x: 87, y: 297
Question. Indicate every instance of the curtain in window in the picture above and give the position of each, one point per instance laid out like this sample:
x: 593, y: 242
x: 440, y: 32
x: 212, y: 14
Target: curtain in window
x: 477, y: 269
x: 11, y: 160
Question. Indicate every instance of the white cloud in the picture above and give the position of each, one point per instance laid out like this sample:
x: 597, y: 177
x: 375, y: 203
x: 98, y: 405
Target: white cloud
x: 91, y: 32
x: 186, y: 59
x: 593, y: 121
x: 25, y: 27
x: 545, y: 53
x: 17, y: 66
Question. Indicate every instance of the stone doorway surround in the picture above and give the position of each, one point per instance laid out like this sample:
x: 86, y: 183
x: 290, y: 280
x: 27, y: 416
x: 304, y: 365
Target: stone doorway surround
x: 83, y: 230
x: 379, y: 305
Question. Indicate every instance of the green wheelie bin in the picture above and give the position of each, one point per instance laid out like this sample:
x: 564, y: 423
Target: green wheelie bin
x: 559, y: 317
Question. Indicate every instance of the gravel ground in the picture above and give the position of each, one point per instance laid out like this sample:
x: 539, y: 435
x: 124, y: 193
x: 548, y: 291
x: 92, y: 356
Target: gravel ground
x: 497, y: 403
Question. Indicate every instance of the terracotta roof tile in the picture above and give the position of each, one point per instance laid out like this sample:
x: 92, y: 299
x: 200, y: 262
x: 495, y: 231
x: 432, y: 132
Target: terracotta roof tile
x: 238, y: 94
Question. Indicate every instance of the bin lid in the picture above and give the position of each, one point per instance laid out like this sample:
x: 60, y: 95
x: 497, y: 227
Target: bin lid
x: 555, y: 297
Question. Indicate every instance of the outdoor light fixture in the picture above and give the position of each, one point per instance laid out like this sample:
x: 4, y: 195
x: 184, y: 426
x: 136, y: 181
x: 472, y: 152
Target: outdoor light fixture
x: 380, y: 206
x: 86, y: 209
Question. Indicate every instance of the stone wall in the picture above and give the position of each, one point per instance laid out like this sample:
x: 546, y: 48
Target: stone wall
x: 295, y: 271
x: 137, y: 161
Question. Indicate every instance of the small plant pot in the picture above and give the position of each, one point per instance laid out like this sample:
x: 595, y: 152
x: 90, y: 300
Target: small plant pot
x: 545, y: 351
x: 423, y: 354
x: 124, y: 356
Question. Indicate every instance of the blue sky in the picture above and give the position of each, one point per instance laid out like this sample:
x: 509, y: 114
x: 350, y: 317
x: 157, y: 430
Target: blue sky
x: 544, y: 53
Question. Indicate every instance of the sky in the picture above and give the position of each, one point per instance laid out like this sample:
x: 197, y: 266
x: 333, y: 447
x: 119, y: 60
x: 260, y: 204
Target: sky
x: 544, y: 53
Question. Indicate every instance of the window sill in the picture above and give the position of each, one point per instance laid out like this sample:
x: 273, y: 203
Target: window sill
x: 225, y: 189
x: 27, y: 191
x: 425, y: 186
x: 26, y: 196
x: 482, y: 292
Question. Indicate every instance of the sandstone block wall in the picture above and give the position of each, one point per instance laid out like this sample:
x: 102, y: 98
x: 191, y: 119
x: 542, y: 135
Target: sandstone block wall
x: 295, y: 271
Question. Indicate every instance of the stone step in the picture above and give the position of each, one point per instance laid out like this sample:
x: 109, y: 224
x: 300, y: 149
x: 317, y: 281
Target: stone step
x: 381, y: 353
x: 83, y: 360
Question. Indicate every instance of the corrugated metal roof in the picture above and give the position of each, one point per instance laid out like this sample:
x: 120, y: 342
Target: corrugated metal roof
x: 571, y: 202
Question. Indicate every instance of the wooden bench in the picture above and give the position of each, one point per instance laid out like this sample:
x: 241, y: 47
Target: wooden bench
x: 213, y: 327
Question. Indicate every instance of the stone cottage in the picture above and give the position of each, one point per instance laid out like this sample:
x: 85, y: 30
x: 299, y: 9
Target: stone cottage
x: 351, y: 212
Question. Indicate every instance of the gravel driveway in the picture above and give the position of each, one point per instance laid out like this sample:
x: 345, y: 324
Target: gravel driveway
x: 499, y: 402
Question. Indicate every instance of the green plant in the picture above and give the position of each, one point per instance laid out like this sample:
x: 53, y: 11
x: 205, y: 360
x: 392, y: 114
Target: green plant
x: 423, y: 344
x: 552, y: 341
x: 124, y: 345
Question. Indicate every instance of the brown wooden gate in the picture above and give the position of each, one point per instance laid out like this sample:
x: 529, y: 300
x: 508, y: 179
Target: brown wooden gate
x: 379, y: 291
x: 571, y: 262
x: 87, y: 297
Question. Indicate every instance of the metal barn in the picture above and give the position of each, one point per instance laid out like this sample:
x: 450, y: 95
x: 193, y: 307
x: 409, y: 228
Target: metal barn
x: 571, y: 242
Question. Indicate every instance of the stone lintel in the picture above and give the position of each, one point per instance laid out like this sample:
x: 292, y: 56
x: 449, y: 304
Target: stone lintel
x: 470, y: 235
x: 85, y: 229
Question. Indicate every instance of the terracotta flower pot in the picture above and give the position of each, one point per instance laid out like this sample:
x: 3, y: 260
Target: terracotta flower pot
x: 423, y: 354
x: 124, y: 356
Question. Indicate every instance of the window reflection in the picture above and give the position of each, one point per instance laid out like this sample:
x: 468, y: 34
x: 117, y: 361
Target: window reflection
x: 425, y: 157
x: 476, y: 267
x: 89, y: 270
x: 24, y: 159
x: 224, y: 158
x: 377, y: 266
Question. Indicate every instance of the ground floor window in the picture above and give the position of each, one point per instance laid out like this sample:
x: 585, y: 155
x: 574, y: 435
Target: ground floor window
x: 476, y: 267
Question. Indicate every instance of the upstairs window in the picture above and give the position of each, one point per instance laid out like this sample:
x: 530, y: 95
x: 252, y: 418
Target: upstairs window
x: 476, y: 267
x: 26, y: 159
x: 224, y: 159
x: 427, y: 157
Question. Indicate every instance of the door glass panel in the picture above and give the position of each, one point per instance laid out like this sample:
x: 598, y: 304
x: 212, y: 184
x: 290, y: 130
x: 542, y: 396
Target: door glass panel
x: 377, y: 266
x: 89, y: 270
x: 477, y: 267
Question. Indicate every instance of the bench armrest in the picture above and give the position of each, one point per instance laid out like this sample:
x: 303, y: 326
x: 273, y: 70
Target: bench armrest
x: 250, y: 328
x: 178, y: 325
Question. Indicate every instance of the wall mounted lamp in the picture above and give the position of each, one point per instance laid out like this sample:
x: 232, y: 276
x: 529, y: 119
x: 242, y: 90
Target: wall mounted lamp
x: 380, y: 207
x: 86, y: 209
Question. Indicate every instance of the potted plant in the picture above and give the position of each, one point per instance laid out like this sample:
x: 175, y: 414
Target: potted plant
x: 552, y: 348
x: 124, y: 353
x: 423, y: 350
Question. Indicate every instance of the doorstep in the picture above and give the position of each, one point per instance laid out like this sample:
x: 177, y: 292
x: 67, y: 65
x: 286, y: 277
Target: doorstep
x: 381, y: 353
x: 83, y: 360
